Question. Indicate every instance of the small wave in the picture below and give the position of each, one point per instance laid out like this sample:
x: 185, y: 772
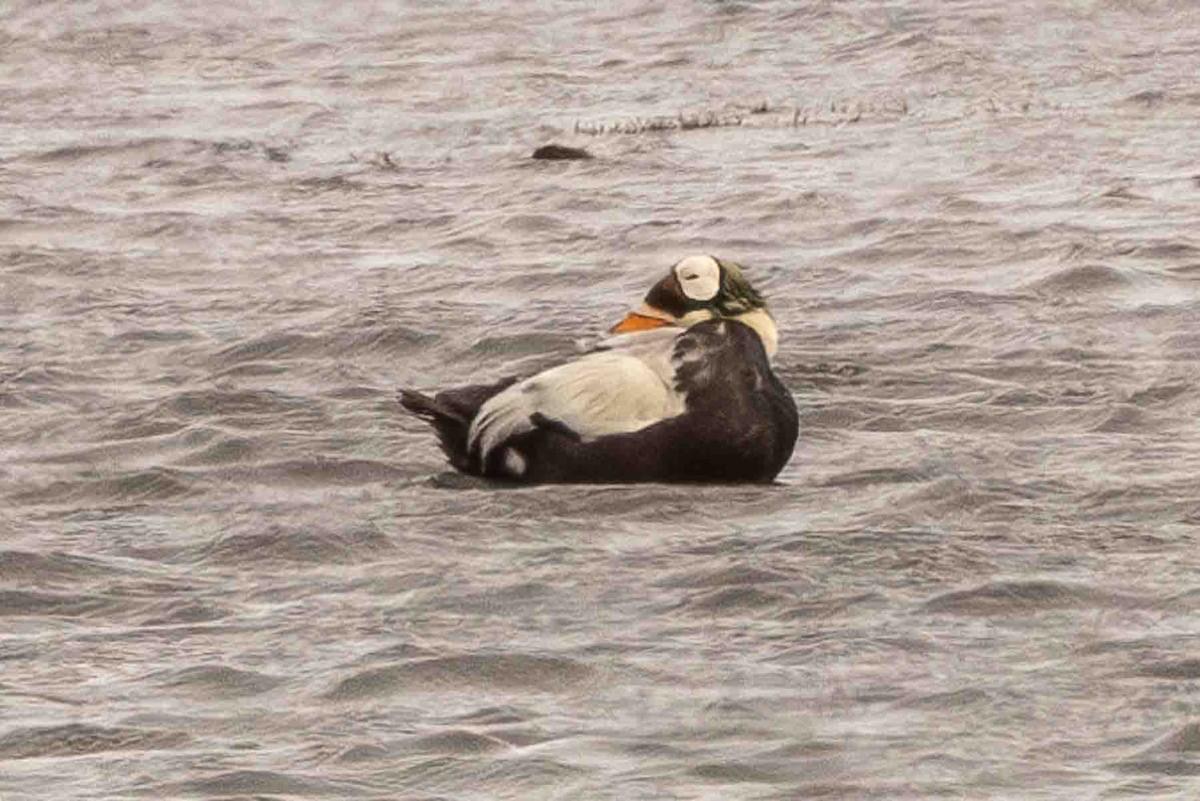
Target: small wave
x: 1176, y: 754
x: 515, y: 345
x: 950, y: 700
x: 243, y: 408
x: 881, y: 475
x: 1184, y: 740
x: 14, y: 396
x: 457, y: 742
x: 503, y: 600
x: 737, y: 600
x: 318, y: 472
x: 153, y: 336
x: 731, y: 575
x: 259, y: 783
x: 1170, y: 250
x: 495, y: 716
x: 543, y: 224
x: 49, y: 375
x: 176, y: 613
x: 1163, y: 393
x: 522, y: 775
x: 995, y: 500
x: 139, y: 486
x: 353, y: 340
x: 211, y: 175
x: 1085, y: 279
x: 1148, y: 98
x: 1125, y: 419
x: 305, y: 546
x: 359, y: 392
x: 1137, y: 501
x: 137, y: 426
x: 216, y: 401
x: 1020, y: 597
x: 385, y: 340
x: 1116, y: 646
x: 140, y: 149
x: 40, y: 569
x: 227, y: 450
x: 78, y: 739
x: 30, y: 603
x: 274, y: 346
x: 743, y: 773
x: 403, y: 651
x: 137, y: 445
x: 398, y: 225
x: 220, y: 681
x: 1161, y: 767
x: 358, y: 754
x: 511, y: 672
x: 1177, y: 670
x: 832, y: 607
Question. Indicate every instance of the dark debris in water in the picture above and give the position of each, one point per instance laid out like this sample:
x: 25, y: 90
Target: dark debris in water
x: 276, y: 153
x: 380, y: 159
x: 556, y: 152
x: 232, y: 146
x: 836, y: 111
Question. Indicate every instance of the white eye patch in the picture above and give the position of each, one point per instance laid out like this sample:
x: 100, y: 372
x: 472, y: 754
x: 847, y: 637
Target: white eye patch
x: 699, y: 277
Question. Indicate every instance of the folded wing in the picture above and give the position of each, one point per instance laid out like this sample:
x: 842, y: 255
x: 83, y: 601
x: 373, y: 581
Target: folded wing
x: 609, y: 392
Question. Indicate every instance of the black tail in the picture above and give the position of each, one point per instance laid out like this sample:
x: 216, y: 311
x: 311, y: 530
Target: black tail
x: 451, y: 427
x: 450, y: 413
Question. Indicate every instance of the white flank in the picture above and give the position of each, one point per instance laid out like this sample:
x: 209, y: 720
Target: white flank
x: 615, y: 391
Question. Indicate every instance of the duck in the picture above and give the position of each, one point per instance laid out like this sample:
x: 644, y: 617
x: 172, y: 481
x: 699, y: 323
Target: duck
x: 680, y: 390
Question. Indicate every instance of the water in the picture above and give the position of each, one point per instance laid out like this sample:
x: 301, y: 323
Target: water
x: 231, y: 568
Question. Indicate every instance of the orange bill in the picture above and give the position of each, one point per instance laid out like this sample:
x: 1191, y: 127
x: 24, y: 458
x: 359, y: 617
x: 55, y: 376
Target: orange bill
x: 637, y: 322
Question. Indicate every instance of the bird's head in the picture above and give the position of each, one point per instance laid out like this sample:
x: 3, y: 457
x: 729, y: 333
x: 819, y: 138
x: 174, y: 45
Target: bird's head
x: 700, y: 288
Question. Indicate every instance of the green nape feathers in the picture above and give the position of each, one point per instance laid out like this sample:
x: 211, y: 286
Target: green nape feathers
x: 737, y: 296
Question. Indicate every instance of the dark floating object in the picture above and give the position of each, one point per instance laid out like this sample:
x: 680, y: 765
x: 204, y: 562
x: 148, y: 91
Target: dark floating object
x: 554, y: 152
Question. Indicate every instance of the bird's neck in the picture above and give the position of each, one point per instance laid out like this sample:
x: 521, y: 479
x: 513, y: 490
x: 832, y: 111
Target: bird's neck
x: 762, y: 324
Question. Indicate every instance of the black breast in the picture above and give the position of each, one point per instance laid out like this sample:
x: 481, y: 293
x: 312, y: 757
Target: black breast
x: 741, y: 423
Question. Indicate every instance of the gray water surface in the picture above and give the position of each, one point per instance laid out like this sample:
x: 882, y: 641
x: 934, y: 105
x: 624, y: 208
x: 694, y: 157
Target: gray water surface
x: 230, y: 567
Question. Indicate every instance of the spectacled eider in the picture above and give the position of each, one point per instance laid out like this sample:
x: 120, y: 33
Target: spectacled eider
x: 682, y: 391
